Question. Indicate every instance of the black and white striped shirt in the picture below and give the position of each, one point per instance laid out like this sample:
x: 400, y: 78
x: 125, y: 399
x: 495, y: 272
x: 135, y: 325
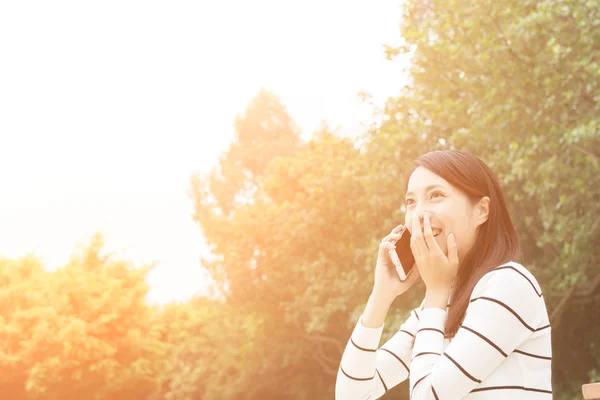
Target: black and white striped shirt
x: 502, y: 348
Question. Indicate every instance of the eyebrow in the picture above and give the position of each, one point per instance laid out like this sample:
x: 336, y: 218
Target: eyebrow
x: 428, y: 188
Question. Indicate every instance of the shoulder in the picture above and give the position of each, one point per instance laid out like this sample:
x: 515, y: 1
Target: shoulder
x: 507, y: 294
x: 509, y: 280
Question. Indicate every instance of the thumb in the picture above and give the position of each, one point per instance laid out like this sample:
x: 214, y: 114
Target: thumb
x: 452, y: 250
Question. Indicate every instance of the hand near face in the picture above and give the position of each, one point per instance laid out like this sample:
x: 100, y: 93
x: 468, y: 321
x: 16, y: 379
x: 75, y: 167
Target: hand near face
x: 387, y: 283
x: 437, y: 270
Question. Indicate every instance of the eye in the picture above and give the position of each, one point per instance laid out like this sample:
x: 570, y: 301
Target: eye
x: 408, y: 201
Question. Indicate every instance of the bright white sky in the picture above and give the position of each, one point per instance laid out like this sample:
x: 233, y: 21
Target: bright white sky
x: 107, y: 108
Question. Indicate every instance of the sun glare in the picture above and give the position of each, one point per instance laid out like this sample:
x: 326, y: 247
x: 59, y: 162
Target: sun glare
x: 108, y: 108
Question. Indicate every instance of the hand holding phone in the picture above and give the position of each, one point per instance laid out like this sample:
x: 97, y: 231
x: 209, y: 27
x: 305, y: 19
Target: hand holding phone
x: 392, y: 279
x: 402, y: 257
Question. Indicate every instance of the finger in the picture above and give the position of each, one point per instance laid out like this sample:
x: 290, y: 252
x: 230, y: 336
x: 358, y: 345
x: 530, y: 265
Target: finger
x: 452, y: 250
x: 429, y: 238
x: 391, y: 237
x: 386, y: 246
x: 416, y: 240
x: 398, y: 228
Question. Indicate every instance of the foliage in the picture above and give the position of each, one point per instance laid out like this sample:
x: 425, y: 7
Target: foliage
x: 71, y: 331
x: 514, y: 83
x: 293, y: 226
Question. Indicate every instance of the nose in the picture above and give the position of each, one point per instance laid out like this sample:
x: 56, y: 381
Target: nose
x: 422, y: 214
x: 422, y: 217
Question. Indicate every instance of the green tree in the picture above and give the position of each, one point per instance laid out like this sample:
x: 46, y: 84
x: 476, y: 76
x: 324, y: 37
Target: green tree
x: 516, y: 83
x: 264, y: 131
x: 83, y: 330
x: 212, y: 352
x: 291, y: 256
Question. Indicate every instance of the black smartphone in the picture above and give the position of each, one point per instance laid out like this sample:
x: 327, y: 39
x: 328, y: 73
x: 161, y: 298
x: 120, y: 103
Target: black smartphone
x: 402, y: 257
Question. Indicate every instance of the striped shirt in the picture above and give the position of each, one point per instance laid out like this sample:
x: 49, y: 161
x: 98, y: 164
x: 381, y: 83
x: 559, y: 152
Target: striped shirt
x: 502, y: 348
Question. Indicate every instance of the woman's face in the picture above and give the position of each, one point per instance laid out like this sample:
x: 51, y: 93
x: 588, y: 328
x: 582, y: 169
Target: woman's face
x: 448, y: 208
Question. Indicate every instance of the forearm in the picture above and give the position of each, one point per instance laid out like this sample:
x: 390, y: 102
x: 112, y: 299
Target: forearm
x: 376, y: 310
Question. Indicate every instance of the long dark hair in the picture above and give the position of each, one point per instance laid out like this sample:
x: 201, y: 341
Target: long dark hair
x: 496, y: 239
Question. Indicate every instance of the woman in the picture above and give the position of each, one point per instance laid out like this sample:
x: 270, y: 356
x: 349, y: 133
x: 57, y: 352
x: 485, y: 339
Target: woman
x: 493, y: 340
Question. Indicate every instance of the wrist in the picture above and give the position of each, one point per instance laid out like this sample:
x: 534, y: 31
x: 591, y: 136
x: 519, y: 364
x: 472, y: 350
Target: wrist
x: 381, y: 298
x: 376, y: 310
x: 436, y: 298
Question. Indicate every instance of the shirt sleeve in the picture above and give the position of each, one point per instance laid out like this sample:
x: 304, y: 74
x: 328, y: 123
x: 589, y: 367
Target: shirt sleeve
x: 368, y: 372
x: 505, y: 308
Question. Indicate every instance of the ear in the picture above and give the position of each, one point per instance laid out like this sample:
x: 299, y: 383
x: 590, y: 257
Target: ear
x: 483, y: 210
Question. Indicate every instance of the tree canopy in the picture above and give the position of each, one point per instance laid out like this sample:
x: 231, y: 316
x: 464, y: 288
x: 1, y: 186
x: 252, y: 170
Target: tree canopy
x: 293, y: 226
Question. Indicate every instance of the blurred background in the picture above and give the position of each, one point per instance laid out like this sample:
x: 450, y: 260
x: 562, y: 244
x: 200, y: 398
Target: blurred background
x: 192, y: 193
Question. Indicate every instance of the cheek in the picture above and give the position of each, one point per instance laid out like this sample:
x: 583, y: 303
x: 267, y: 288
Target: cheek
x: 408, y: 222
x: 463, y: 237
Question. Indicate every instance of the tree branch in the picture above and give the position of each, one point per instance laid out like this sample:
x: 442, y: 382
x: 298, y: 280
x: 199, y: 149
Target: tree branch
x: 586, y: 152
x: 275, y: 380
x: 577, y: 293
x: 313, y: 337
x: 323, y: 360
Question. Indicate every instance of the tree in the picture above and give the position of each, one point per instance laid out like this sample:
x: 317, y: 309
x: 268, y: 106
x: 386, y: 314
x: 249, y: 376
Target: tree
x: 84, y: 328
x: 264, y: 131
x: 516, y: 83
x: 212, y: 350
x: 513, y: 83
x: 292, y: 256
